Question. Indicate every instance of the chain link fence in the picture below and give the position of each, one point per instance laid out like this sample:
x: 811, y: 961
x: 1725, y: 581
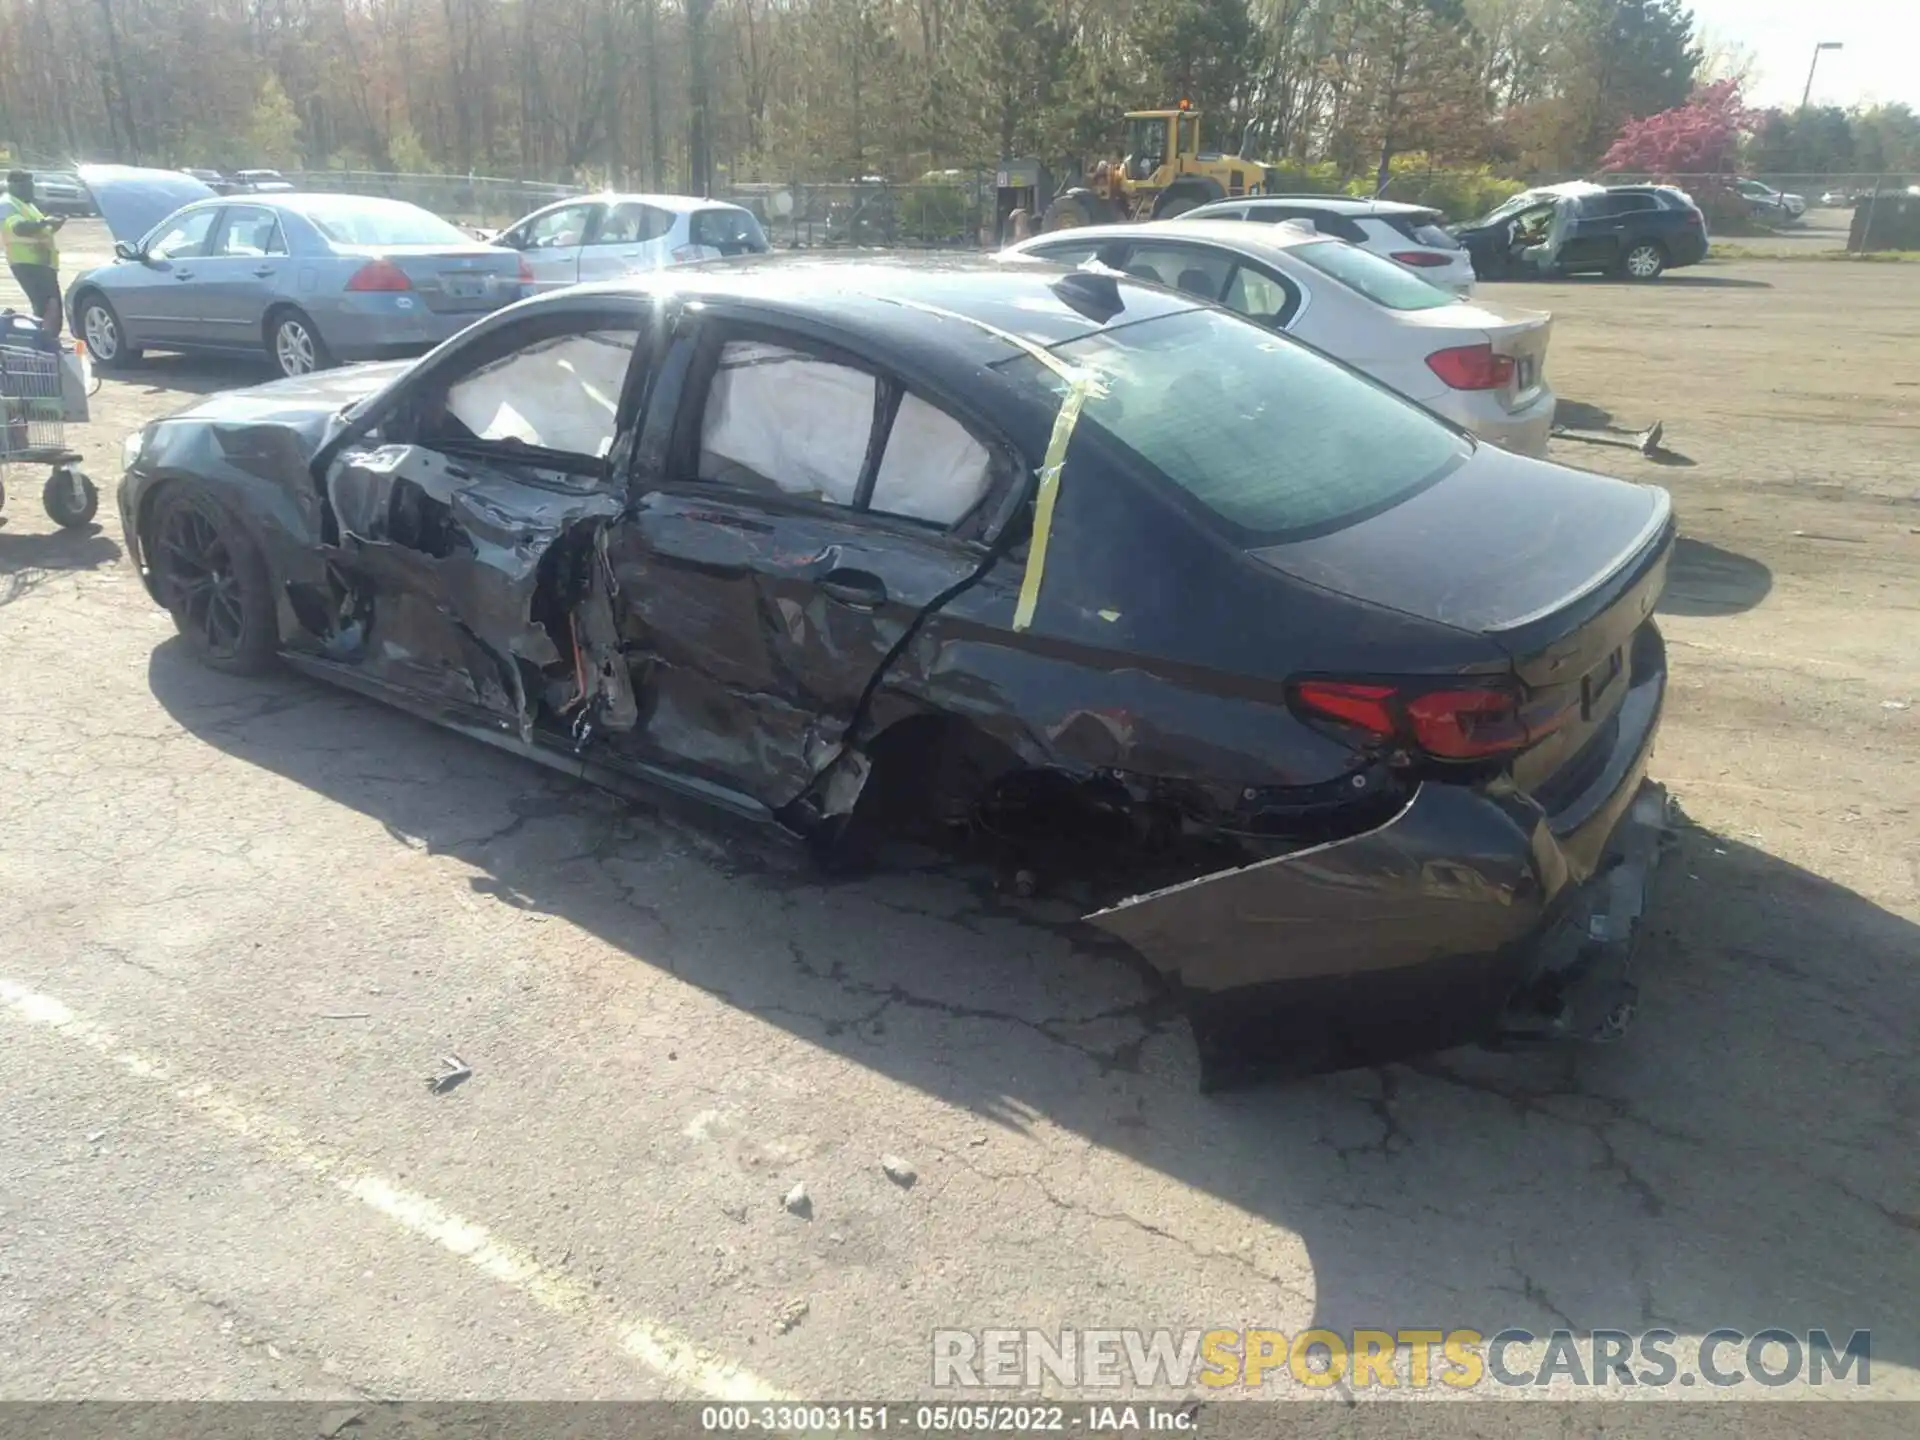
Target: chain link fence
x: 956, y: 209
x: 483, y: 201
x: 948, y: 209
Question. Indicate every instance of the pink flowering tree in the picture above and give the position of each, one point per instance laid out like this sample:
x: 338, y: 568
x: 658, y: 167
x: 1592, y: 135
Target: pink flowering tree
x: 1699, y: 138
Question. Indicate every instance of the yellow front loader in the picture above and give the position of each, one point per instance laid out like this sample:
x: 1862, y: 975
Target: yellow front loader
x: 1163, y: 173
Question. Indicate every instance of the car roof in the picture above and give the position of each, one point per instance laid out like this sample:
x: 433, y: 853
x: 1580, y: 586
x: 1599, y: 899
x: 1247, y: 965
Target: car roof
x: 962, y: 309
x: 677, y: 204
x: 1231, y: 234
x: 1335, y: 204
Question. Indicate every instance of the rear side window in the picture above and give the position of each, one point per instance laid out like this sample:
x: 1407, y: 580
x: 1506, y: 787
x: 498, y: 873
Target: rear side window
x: 1271, y: 438
x: 1424, y: 230
x: 1381, y: 281
x: 933, y: 468
x: 729, y: 230
x: 1260, y: 296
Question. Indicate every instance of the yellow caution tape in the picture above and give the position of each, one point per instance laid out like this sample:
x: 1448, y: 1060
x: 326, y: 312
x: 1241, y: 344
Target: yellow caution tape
x: 1080, y: 384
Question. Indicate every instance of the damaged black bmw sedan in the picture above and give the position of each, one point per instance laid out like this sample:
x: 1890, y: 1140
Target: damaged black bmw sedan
x: 1336, y: 717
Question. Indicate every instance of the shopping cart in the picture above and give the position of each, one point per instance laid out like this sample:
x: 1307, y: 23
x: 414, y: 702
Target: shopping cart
x: 38, y: 384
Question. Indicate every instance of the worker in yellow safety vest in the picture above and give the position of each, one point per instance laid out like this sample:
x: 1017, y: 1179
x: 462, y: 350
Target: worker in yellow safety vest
x: 32, y: 252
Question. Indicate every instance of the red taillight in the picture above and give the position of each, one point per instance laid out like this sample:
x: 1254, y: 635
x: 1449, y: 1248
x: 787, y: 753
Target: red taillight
x: 1456, y: 723
x: 1467, y: 724
x: 1422, y: 259
x: 1694, y: 220
x: 1472, y: 367
x: 379, y: 275
x: 1368, y: 706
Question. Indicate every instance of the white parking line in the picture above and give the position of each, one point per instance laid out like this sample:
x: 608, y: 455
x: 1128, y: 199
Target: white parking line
x: 663, y: 1351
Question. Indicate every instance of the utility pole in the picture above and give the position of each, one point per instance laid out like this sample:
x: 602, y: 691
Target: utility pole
x: 1807, y: 95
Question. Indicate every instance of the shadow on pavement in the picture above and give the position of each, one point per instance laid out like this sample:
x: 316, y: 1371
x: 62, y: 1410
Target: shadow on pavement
x: 1579, y: 415
x: 158, y: 374
x: 1741, y: 1159
x: 28, y: 561
x: 1704, y: 580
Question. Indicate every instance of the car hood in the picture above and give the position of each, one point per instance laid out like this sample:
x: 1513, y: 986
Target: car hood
x: 132, y: 200
x: 289, y: 402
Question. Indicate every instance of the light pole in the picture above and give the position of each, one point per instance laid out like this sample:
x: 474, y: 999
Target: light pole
x: 1823, y: 45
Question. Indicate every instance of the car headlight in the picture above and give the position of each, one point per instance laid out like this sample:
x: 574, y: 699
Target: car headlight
x: 131, y: 447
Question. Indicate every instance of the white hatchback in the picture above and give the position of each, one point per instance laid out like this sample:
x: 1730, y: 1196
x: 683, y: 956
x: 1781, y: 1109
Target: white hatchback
x: 603, y: 237
x: 1414, y: 237
x: 1481, y: 366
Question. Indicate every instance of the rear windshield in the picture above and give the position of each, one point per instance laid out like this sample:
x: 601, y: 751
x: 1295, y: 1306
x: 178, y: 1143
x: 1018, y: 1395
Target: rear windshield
x: 356, y: 220
x: 728, y: 230
x: 1271, y: 437
x: 1381, y: 281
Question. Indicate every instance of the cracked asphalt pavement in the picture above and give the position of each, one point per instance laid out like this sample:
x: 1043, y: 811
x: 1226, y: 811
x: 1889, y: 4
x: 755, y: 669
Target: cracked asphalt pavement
x: 242, y: 923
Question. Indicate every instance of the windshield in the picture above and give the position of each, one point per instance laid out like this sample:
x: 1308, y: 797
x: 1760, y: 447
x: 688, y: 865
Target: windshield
x: 1505, y: 209
x: 1146, y: 146
x: 729, y: 230
x: 358, y: 220
x: 1271, y: 437
x: 1381, y: 281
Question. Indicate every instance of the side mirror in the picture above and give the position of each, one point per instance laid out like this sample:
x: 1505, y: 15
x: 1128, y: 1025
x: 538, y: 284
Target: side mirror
x: 125, y: 251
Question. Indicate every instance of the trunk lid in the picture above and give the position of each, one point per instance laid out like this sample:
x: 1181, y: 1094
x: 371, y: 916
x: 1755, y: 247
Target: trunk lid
x: 133, y: 199
x: 1560, y: 568
x: 1523, y: 335
x: 452, y: 279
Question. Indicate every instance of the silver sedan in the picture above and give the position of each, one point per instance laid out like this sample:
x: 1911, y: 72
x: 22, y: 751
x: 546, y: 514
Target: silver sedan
x: 308, y: 279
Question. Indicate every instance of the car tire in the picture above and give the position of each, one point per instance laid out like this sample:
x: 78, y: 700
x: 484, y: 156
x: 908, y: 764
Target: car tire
x: 1645, y: 260
x: 294, y: 346
x: 1178, y: 205
x: 98, y: 323
x: 213, y: 580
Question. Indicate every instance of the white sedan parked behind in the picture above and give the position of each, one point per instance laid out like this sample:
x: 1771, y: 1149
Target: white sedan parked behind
x: 1414, y: 237
x: 1479, y: 365
x: 603, y: 237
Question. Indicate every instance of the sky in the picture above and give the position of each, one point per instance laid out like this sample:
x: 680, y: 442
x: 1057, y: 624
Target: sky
x: 1881, y: 61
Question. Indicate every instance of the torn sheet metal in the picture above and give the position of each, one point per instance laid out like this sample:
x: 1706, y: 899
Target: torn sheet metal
x: 420, y: 529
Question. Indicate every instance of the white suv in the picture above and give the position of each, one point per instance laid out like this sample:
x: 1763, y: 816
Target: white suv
x: 1412, y: 236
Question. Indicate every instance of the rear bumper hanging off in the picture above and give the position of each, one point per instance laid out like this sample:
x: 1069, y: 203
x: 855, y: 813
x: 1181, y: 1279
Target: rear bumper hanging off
x: 1466, y: 917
